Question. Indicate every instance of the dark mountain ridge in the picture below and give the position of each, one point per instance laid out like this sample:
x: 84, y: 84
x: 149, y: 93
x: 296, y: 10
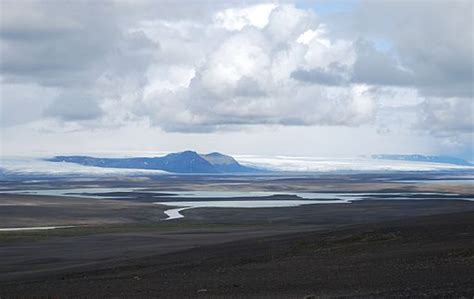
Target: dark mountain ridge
x: 182, y: 162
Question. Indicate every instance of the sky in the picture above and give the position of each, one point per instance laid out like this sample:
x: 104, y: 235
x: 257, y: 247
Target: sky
x: 304, y: 78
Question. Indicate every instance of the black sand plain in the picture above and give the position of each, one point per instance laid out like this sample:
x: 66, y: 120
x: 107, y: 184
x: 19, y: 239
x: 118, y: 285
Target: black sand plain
x: 121, y: 248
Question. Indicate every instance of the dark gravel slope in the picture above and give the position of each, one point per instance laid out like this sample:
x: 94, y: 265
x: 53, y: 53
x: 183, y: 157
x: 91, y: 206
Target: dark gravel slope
x: 429, y: 256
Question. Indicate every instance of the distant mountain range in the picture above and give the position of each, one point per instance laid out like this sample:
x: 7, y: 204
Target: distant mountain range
x: 192, y: 162
x: 182, y: 162
x: 422, y: 158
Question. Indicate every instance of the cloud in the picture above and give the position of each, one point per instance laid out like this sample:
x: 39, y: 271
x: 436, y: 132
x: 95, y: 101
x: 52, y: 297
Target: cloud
x: 443, y: 116
x: 51, y: 45
x: 380, y: 68
x: 433, y: 41
x: 22, y: 103
x: 247, y: 79
x: 320, y: 76
x: 74, y: 106
x: 237, y: 18
x: 72, y: 48
x: 427, y: 48
x: 213, y: 66
x: 451, y: 121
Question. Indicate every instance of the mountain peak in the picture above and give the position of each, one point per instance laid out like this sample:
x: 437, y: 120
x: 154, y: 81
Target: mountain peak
x: 181, y: 162
x: 184, y: 153
x: 214, y: 154
x: 216, y: 158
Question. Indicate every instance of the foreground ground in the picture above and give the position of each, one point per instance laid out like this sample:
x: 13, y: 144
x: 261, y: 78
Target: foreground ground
x: 423, y: 256
x: 122, y: 249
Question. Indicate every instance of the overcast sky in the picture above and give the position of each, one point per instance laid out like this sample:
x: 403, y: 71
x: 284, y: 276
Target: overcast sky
x: 313, y: 78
